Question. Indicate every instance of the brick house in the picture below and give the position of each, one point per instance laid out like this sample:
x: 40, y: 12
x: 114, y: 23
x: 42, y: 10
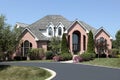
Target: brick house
x: 38, y: 34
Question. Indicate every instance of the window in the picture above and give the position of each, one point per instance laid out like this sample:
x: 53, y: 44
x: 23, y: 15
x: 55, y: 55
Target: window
x: 25, y: 46
x: 84, y: 42
x: 50, y: 32
x: 76, y: 39
x: 59, y: 31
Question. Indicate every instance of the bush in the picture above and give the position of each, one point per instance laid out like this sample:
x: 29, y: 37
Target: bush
x: 113, y: 53
x: 87, y: 56
x: 24, y: 58
x: 77, y: 59
x: 2, y: 56
x: 64, y: 45
x: 19, y: 58
x: 90, y: 44
x: 36, y: 54
x: 57, y: 58
x: 66, y: 56
x: 49, y: 55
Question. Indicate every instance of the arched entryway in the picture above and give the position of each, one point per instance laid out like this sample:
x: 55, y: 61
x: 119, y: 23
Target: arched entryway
x: 76, y: 40
x: 25, y: 46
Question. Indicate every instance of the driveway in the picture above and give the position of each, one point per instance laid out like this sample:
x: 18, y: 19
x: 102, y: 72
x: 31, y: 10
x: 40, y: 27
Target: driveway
x: 68, y: 71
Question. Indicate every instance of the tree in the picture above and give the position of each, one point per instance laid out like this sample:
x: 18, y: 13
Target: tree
x: 8, y: 38
x: 101, y: 46
x: 118, y: 39
x: 64, y: 48
x: 116, y: 43
x: 55, y: 44
x: 90, y: 45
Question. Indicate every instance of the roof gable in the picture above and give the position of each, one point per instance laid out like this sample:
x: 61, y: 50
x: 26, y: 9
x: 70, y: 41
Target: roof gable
x: 30, y: 33
x: 85, y: 26
x: 100, y: 29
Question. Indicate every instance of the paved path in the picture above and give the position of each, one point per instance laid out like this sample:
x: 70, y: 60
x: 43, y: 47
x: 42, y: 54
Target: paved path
x: 68, y: 71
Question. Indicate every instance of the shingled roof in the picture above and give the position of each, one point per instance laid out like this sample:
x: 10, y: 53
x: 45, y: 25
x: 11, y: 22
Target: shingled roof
x: 42, y: 24
x: 88, y: 27
x: 55, y: 19
x: 23, y: 25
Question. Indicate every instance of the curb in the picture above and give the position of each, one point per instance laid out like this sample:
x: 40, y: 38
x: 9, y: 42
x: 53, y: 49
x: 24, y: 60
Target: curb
x: 53, y: 73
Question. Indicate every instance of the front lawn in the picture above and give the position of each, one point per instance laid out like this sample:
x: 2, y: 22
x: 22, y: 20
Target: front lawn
x: 22, y: 73
x: 110, y: 62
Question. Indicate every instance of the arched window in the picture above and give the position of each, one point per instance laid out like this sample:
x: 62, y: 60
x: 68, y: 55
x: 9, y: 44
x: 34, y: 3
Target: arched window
x: 59, y: 31
x: 50, y: 32
x: 76, y: 39
x: 25, y: 46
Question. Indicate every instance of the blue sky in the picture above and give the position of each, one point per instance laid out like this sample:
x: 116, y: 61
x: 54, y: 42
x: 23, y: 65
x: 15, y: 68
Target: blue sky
x: 96, y: 13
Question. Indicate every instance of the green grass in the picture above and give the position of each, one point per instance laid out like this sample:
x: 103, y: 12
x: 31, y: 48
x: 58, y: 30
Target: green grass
x: 109, y: 62
x: 22, y: 73
x: 35, y: 61
x: 40, y: 60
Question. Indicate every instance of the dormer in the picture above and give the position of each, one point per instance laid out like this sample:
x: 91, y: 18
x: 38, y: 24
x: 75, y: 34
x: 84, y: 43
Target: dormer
x: 50, y: 30
x: 59, y: 29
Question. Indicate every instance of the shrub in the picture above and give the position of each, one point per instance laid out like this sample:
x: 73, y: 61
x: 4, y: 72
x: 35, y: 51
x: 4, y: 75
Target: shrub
x: 24, y: 58
x: 66, y: 56
x: 49, y: 55
x: 57, y: 58
x: 90, y: 44
x: 19, y: 58
x: 36, y: 54
x: 64, y: 46
x: 113, y: 53
x: 2, y: 56
x: 87, y: 56
x: 77, y: 59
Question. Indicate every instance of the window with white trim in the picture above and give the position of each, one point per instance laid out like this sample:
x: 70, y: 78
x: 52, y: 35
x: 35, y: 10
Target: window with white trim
x: 59, y: 31
x: 50, y: 32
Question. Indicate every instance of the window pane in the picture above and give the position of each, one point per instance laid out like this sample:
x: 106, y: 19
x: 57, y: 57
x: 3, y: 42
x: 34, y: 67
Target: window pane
x: 59, y: 31
x: 50, y: 31
x: 26, y: 44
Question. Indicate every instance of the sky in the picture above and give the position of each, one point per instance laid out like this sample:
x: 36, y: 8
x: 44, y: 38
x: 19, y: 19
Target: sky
x: 96, y: 13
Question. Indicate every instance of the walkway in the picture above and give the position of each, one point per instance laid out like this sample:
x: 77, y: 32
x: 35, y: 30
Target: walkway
x: 68, y: 71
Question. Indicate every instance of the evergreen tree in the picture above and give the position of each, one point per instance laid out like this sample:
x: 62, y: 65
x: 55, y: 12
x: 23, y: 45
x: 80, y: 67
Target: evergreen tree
x: 90, y: 45
x: 117, y: 40
x: 64, y: 48
x: 55, y: 44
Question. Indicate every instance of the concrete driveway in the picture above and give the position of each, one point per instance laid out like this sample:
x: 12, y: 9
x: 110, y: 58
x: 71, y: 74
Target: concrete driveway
x: 69, y: 71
